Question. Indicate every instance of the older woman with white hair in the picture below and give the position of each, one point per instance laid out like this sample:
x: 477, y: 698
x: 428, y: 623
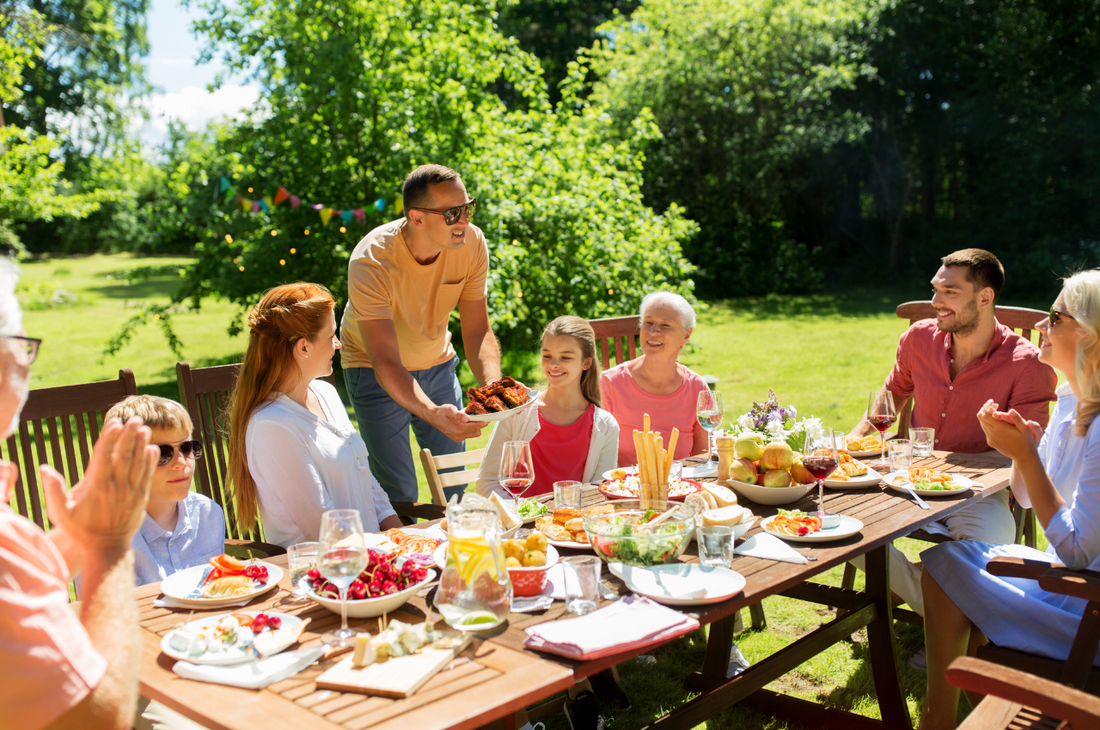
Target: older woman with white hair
x: 655, y: 383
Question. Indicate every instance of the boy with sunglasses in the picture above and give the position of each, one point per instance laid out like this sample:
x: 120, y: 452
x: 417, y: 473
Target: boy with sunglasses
x: 181, y: 528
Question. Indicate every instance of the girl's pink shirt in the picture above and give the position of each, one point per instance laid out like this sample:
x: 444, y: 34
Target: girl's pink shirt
x: 560, y: 452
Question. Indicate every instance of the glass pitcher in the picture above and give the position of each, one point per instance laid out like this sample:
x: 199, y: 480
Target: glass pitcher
x: 475, y: 592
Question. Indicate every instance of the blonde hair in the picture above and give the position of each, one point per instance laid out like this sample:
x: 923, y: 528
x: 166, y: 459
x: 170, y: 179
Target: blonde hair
x: 582, y: 332
x: 283, y: 316
x: 1081, y: 293
x: 157, y: 412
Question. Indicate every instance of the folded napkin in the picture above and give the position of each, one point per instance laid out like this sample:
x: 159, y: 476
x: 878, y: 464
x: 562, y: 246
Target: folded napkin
x: 252, y: 675
x: 770, y: 547
x: 167, y: 602
x: 625, y: 625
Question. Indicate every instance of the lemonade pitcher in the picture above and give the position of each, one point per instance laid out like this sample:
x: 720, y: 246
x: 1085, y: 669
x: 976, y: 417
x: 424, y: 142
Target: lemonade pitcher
x: 475, y: 591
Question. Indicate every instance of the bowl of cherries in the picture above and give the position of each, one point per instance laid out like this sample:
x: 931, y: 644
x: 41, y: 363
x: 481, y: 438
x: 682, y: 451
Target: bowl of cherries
x: 385, y: 585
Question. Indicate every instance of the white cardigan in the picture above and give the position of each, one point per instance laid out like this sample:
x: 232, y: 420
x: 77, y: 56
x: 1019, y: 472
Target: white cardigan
x: 304, y: 465
x: 603, y: 450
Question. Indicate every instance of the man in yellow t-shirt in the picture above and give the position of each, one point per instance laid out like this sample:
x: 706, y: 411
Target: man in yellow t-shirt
x: 404, y: 280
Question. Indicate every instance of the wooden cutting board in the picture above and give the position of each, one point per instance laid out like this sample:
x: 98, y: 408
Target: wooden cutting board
x: 396, y: 678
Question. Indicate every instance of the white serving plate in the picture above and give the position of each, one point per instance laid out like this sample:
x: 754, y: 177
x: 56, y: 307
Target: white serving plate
x: 680, y: 584
x: 847, y: 527
x: 609, y: 475
x: 963, y: 484
x: 270, y: 642
x: 870, y: 479
x: 180, y: 584
x: 570, y: 544
x: 368, y: 607
x: 532, y: 398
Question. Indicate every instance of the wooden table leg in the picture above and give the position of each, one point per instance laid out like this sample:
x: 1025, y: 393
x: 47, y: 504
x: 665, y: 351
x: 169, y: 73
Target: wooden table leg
x: 881, y: 646
x: 719, y: 643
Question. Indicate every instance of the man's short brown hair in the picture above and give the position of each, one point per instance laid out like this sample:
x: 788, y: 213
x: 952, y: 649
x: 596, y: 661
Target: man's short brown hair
x: 982, y: 269
x: 415, y: 192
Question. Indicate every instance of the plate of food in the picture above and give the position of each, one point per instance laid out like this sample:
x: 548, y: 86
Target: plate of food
x: 530, y: 509
x: 627, y: 488
x: 223, y: 581
x: 564, y: 528
x: 852, y: 474
x: 680, y: 584
x: 866, y: 446
x: 928, y: 482
x: 620, y: 473
x: 797, y: 526
x: 499, y: 400
x: 224, y: 640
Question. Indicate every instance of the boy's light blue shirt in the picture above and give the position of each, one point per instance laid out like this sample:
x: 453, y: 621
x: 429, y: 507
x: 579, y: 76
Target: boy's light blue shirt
x: 199, y: 536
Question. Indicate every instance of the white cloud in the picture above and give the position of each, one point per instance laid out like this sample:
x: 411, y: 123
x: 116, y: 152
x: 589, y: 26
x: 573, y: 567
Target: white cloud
x: 195, y: 107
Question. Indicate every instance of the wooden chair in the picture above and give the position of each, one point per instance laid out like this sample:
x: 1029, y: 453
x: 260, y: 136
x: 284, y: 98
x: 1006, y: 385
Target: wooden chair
x: 58, y: 426
x: 437, y: 481
x: 1022, y: 701
x: 612, y: 334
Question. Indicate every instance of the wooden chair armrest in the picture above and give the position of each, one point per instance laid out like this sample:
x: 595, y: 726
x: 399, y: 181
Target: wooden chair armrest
x: 1019, y: 567
x: 1081, y: 710
x: 422, y: 510
x: 1080, y: 583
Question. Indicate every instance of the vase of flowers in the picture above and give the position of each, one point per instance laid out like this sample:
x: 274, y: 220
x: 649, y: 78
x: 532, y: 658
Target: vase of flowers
x: 777, y: 422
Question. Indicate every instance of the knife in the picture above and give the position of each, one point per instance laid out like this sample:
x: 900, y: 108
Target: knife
x: 196, y: 592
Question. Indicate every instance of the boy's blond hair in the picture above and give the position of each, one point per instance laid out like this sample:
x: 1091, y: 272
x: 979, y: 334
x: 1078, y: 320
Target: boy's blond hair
x: 157, y: 412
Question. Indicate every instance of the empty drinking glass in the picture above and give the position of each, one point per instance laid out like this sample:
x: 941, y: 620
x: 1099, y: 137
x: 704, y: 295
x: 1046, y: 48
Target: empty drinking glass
x: 901, y: 454
x: 582, y: 584
x: 301, y: 558
x: 715, y: 545
x: 924, y: 440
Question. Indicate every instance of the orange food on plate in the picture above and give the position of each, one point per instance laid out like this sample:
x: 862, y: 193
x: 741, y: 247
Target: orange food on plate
x: 408, y: 543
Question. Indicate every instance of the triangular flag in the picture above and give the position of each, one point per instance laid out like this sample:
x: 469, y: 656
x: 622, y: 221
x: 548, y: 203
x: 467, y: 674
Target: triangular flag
x: 399, y: 204
x: 230, y: 192
x: 246, y: 204
x: 326, y: 213
x: 380, y: 204
x: 225, y: 184
x: 268, y: 203
x: 263, y: 205
x: 281, y: 194
x: 295, y: 201
x: 360, y: 215
x: 346, y: 215
x: 255, y: 206
x: 317, y: 206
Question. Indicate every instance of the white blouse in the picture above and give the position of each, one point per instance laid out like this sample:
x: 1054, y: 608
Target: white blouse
x: 304, y: 465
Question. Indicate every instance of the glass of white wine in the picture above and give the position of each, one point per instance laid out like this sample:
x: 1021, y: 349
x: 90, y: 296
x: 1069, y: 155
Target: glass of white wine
x: 341, y: 557
x: 709, y: 411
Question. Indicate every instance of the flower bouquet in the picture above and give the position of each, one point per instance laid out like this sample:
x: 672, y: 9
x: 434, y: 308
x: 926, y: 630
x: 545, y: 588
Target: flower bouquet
x: 777, y: 423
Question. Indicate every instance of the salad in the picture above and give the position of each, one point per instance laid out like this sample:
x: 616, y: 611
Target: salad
x: 531, y: 507
x: 622, y: 537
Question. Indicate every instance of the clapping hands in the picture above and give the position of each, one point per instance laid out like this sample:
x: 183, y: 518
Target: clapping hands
x: 1009, y: 433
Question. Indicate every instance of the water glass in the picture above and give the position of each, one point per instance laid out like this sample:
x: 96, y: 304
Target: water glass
x: 567, y: 494
x: 924, y: 440
x: 301, y: 558
x: 582, y: 584
x: 715, y: 545
x: 901, y: 454
x: 676, y: 471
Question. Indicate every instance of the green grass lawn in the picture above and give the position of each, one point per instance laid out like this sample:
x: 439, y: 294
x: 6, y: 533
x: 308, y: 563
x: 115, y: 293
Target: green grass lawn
x: 822, y: 353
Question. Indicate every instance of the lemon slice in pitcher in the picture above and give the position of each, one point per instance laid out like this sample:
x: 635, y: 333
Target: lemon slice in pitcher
x: 472, y: 556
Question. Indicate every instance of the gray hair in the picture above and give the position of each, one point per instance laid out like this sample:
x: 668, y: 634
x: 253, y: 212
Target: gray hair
x: 670, y: 299
x: 11, y: 316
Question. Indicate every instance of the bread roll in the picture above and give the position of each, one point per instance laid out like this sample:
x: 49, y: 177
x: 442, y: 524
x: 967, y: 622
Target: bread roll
x: 724, y: 516
x: 565, y: 514
x: 575, y: 525
x: 723, y: 496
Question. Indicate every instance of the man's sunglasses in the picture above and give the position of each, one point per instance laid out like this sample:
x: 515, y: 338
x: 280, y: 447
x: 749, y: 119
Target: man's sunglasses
x: 452, y: 215
x: 187, y: 448
x: 1056, y: 317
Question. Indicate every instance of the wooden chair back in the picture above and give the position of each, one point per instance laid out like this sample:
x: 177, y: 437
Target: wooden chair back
x: 618, y: 335
x: 1019, y: 700
x: 58, y: 426
x: 437, y: 481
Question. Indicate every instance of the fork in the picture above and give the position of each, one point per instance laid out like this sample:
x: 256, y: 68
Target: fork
x: 909, y: 488
x: 196, y: 592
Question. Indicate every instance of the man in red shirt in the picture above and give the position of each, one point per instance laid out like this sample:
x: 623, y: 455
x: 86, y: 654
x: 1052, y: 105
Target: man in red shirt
x: 951, y: 366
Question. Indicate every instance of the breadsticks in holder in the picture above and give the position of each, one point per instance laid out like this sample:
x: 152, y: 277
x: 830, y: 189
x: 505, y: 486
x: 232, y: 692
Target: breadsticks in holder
x: 654, y: 462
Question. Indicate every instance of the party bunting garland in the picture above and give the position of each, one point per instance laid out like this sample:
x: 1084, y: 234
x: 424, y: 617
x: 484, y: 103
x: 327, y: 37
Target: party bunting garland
x: 268, y: 202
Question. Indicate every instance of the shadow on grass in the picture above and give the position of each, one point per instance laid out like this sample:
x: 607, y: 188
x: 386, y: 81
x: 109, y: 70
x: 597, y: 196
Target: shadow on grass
x: 157, y: 286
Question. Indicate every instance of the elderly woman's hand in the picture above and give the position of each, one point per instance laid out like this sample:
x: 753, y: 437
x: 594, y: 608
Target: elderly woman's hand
x: 1009, y: 433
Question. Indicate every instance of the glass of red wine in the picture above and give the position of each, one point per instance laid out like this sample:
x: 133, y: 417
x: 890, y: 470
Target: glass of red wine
x: 881, y: 414
x: 517, y: 470
x: 819, y: 457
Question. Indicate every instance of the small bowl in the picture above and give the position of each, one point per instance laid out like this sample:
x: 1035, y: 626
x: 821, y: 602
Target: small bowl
x: 636, y: 545
x: 532, y: 581
x: 773, y: 496
x: 368, y: 607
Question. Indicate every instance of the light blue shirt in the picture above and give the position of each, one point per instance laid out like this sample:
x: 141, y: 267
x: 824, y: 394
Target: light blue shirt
x: 199, y: 536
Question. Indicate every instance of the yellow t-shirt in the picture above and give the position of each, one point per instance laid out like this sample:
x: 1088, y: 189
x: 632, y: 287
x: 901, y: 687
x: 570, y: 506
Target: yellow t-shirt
x: 386, y: 282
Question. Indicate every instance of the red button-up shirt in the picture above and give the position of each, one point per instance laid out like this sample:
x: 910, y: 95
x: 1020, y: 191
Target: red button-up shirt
x: 1009, y: 372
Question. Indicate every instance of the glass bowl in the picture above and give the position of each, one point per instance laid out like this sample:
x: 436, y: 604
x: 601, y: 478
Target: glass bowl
x: 618, y: 533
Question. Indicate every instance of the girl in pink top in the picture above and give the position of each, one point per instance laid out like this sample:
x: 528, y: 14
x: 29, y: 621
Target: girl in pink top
x: 655, y: 383
x: 571, y: 437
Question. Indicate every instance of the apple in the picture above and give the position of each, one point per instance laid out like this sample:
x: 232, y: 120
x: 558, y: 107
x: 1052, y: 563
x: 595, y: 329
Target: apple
x: 777, y: 478
x: 749, y: 446
x: 777, y: 455
x: 800, y: 474
x: 743, y: 470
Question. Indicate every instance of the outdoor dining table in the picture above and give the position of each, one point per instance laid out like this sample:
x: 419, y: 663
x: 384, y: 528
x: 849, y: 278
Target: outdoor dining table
x: 502, y: 676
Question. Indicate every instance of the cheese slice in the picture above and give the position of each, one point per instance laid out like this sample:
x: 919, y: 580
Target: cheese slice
x: 508, y: 516
x: 364, y: 652
x: 722, y: 495
x: 724, y: 516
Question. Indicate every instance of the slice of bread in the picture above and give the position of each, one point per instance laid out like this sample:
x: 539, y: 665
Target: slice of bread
x: 724, y: 516
x: 724, y: 496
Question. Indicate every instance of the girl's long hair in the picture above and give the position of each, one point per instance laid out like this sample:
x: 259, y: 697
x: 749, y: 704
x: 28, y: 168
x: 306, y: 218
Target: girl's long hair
x: 1081, y: 294
x: 283, y: 316
x: 581, y: 331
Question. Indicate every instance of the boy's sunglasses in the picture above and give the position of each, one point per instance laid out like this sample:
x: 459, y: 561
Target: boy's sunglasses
x: 452, y: 215
x: 1056, y: 316
x: 187, y: 448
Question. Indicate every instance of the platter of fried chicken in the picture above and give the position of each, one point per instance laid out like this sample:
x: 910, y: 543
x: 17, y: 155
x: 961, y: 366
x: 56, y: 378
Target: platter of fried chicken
x: 498, y: 400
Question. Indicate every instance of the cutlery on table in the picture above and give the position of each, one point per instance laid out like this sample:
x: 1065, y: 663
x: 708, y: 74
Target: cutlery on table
x: 196, y: 592
x: 909, y: 488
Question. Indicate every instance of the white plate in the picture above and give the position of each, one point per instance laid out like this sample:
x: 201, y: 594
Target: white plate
x: 871, y: 452
x: 440, y: 557
x: 609, y: 475
x: 286, y: 635
x: 670, y: 583
x: 368, y: 607
x: 532, y: 398
x: 531, y: 520
x: 962, y: 483
x: 848, y: 526
x: 870, y: 479
x: 179, y: 585
x: 570, y: 544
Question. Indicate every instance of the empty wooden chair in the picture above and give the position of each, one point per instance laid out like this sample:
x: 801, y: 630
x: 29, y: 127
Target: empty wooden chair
x: 618, y: 335
x: 437, y: 481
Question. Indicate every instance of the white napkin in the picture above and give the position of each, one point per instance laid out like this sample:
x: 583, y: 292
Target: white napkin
x: 252, y: 675
x: 168, y: 602
x: 621, y: 626
x: 770, y: 547
x: 555, y: 582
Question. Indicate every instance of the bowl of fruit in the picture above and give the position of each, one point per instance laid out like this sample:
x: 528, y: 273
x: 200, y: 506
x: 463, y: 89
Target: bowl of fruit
x: 385, y: 585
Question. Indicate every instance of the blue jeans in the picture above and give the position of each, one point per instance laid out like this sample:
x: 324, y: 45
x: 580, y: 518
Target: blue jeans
x: 384, y: 425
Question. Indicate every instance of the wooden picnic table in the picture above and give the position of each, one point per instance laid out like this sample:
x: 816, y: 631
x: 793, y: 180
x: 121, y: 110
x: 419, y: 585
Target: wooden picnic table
x: 502, y: 676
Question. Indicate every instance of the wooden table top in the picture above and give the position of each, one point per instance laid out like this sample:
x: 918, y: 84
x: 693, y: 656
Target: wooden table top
x: 500, y: 675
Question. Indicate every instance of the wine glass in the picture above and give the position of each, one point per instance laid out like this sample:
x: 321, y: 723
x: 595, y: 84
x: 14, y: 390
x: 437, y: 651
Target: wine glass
x: 517, y: 469
x: 881, y: 414
x: 820, y: 458
x: 708, y: 409
x: 341, y: 557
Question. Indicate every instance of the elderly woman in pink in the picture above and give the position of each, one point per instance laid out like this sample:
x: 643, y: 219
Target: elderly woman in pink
x: 655, y: 383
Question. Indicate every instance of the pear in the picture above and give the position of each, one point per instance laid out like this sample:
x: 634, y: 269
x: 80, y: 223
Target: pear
x: 749, y: 446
